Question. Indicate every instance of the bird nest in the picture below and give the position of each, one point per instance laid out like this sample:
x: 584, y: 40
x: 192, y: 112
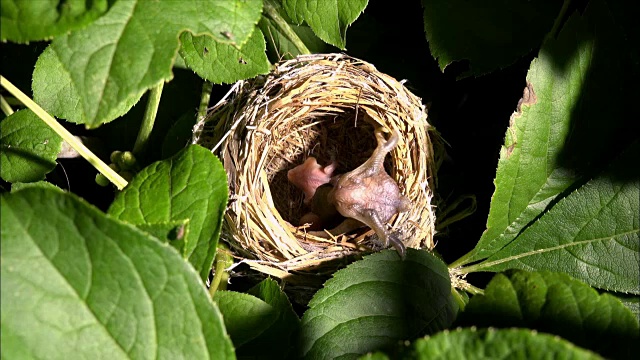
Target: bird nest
x: 326, y: 106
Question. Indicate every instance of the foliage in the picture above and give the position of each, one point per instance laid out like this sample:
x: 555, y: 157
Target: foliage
x: 562, y: 231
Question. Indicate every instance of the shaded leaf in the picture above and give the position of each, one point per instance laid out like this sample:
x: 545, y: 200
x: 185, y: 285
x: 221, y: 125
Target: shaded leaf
x: 192, y: 186
x: 556, y: 142
x: 245, y: 316
x: 496, y: 344
x: 329, y: 19
x: 24, y: 21
x: 29, y: 147
x: 376, y: 302
x: 93, y: 75
x: 224, y: 63
x: 278, y: 341
x: 260, y: 323
x: 593, y: 234
x: 556, y: 304
x: 490, y: 35
x: 179, y: 135
x: 79, y: 284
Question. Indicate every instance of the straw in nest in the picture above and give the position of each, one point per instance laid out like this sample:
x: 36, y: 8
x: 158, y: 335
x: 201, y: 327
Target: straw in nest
x: 325, y: 106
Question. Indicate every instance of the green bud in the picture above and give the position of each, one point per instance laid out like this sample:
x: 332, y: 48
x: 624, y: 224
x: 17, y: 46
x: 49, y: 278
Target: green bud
x: 116, y: 157
x: 102, y: 180
x: 127, y: 160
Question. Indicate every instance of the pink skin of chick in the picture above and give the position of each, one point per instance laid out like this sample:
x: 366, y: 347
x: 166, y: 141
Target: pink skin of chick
x: 309, y: 176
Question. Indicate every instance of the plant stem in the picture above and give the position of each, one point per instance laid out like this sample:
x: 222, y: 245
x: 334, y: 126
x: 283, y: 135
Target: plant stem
x: 462, y: 260
x: 272, y: 13
x: 205, y: 96
x: 149, y: 118
x: 473, y: 290
x: 6, y: 108
x: 76, y: 144
x: 222, y: 261
x: 458, y: 298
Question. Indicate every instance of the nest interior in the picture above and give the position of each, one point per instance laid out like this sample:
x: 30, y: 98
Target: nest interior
x: 326, y: 106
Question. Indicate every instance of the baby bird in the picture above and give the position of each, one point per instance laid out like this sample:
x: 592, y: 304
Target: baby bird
x: 367, y: 194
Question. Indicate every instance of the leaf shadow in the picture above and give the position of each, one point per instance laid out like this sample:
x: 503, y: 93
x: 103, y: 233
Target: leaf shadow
x: 601, y: 128
x: 37, y: 161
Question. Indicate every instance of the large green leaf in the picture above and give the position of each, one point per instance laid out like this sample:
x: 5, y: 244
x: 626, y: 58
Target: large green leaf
x: 245, y: 316
x: 329, y: 19
x: 278, y: 341
x: 376, y: 302
x: 192, y: 186
x: 593, y: 234
x: 38, y: 184
x: 557, y: 138
x: 93, y: 75
x: 491, y: 35
x: 496, y: 344
x: 168, y: 231
x: 77, y: 284
x: 556, y: 304
x: 23, y: 21
x: 224, y: 63
x: 28, y: 147
x: 262, y: 323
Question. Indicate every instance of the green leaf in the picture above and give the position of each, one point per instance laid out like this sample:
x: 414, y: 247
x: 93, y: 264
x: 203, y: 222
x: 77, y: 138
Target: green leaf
x: 556, y: 304
x: 38, y: 184
x: 93, y: 75
x: 555, y: 142
x: 168, y: 232
x: 329, y: 19
x: 29, y: 147
x: 376, y: 302
x: 179, y: 135
x: 79, y: 284
x: 192, y: 186
x: 374, y: 356
x: 224, y: 63
x: 278, y: 340
x: 24, y: 21
x: 490, y: 36
x: 245, y: 316
x: 593, y: 234
x: 261, y: 323
x: 56, y: 90
x: 631, y: 302
x: 496, y: 344
x: 279, y: 45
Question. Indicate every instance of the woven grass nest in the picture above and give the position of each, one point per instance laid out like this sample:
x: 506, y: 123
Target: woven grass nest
x: 326, y: 106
